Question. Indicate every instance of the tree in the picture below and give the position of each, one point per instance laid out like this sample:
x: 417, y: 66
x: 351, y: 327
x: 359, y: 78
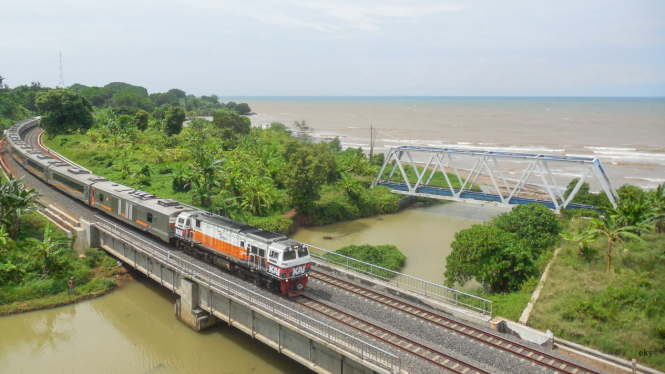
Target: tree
x: 131, y: 100
x: 496, y: 259
x: 141, y: 118
x: 164, y: 98
x: 305, y: 175
x: 126, y: 87
x: 64, y: 111
x: 228, y: 119
x: 634, y: 210
x: 16, y: 200
x: 534, y: 223
x: 612, y: 227
x: 173, y: 120
x: 658, y: 207
x: 350, y: 186
x: 48, y: 249
x: 180, y: 94
x: 242, y: 108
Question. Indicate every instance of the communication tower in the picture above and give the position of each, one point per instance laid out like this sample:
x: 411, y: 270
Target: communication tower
x: 61, y: 84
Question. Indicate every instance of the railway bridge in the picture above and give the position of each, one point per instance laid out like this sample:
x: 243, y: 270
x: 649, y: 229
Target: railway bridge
x: 444, y: 163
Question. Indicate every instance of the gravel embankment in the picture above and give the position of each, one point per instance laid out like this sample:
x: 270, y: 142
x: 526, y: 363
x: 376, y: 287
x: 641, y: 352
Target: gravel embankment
x: 440, y: 338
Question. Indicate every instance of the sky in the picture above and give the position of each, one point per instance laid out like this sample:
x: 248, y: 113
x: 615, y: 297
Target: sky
x: 340, y: 47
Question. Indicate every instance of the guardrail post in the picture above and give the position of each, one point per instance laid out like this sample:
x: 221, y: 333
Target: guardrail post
x: 456, y: 298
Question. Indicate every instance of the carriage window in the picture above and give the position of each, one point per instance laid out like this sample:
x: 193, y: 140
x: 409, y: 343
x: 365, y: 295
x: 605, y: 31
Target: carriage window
x: 198, y: 223
x: 101, y: 198
x: 187, y: 223
x: 289, y: 255
x: 274, y: 254
x: 150, y: 217
x: 242, y: 245
x: 302, y: 251
x: 262, y: 252
x: 254, y: 249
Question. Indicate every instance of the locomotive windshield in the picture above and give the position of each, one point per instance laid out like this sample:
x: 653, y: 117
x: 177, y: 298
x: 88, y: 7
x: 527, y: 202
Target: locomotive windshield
x: 302, y: 251
x: 289, y: 255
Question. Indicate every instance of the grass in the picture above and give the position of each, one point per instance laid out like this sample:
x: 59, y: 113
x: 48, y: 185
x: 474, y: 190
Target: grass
x: 620, y: 312
x: 439, y: 180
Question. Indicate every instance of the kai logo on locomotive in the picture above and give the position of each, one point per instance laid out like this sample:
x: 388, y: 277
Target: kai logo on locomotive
x: 299, y: 270
x: 274, y: 270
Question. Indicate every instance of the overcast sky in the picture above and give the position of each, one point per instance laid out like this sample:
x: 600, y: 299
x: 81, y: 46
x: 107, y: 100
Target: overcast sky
x: 340, y: 47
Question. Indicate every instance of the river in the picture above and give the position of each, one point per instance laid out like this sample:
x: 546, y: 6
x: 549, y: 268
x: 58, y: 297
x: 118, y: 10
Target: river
x: 132, y: 330
x: 423, y: 234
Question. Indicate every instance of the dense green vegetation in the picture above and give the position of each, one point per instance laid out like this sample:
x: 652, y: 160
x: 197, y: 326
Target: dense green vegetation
x: 124, y: 95
x: 67, y: 106
x: 591, y: 297
x: 18, y: 103
x: 504, y: 253
x: 386, y: 256
x: 226, y: 166
x: 36, y: 261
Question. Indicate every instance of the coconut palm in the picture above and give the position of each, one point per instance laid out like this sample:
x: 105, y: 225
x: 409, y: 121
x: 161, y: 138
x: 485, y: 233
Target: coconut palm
x: 48, y: 249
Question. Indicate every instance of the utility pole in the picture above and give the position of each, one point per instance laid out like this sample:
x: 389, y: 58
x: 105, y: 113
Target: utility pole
x: 62, y: 77
x: 372, y: 140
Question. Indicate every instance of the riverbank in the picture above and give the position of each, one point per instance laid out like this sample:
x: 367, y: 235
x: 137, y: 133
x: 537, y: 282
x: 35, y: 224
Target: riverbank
x: 26, y: 288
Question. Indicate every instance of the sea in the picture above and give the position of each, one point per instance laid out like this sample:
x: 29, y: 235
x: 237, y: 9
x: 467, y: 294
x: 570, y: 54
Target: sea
x: 626, y: 134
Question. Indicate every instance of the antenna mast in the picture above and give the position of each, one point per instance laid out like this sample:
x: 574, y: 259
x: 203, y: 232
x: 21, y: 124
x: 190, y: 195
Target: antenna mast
x: 62, y: 77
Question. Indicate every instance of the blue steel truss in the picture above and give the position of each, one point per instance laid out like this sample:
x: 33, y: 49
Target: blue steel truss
x: 491, y: 161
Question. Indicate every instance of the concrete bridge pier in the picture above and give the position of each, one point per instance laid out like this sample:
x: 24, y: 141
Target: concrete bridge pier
x: 187, y: 310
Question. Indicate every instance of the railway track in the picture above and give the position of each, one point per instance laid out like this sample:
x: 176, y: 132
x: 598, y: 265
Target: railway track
x: 524, y: 352
x: 421, y: 351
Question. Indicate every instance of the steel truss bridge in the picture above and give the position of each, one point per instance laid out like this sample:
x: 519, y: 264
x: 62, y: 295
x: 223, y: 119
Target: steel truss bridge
x: 500, y: 191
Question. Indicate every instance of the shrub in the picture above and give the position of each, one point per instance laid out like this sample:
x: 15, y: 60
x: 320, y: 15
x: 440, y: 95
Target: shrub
x: 387, y: 256
x: 276, y: 223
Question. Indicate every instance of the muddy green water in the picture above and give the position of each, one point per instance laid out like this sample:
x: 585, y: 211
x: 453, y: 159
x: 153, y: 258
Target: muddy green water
x: 423, y: 234
x: 132, y: 330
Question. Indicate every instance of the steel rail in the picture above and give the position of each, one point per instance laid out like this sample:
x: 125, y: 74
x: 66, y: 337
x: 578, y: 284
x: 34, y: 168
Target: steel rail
x: 521, y: 350
x: 423, y: 352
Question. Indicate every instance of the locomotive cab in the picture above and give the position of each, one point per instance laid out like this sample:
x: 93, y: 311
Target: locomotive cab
x: 289, y: 261
x: 183, y: 226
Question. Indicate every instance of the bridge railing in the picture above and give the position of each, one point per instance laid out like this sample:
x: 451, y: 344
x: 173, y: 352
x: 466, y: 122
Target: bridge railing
x: 407, y: 282
x: 236, y: 291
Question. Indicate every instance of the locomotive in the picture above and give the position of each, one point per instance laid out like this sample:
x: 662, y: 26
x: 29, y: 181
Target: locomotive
x: 268, y: 258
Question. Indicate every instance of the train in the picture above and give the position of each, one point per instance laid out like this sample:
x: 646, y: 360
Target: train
x: 267, y: 258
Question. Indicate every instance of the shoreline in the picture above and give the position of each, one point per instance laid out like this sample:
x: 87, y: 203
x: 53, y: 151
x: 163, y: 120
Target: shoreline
x: 63, y: 298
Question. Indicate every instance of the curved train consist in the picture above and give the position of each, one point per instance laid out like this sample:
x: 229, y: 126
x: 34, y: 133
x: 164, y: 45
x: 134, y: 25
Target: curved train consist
x: 268, y: 258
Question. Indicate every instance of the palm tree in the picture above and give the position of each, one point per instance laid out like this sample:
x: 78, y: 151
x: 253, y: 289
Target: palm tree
x: 635, y: 211
x: 48, y: 248
x: 658, y: 208
x: 6, y: 240
x: 612, y: 227
x: 15, y: 202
